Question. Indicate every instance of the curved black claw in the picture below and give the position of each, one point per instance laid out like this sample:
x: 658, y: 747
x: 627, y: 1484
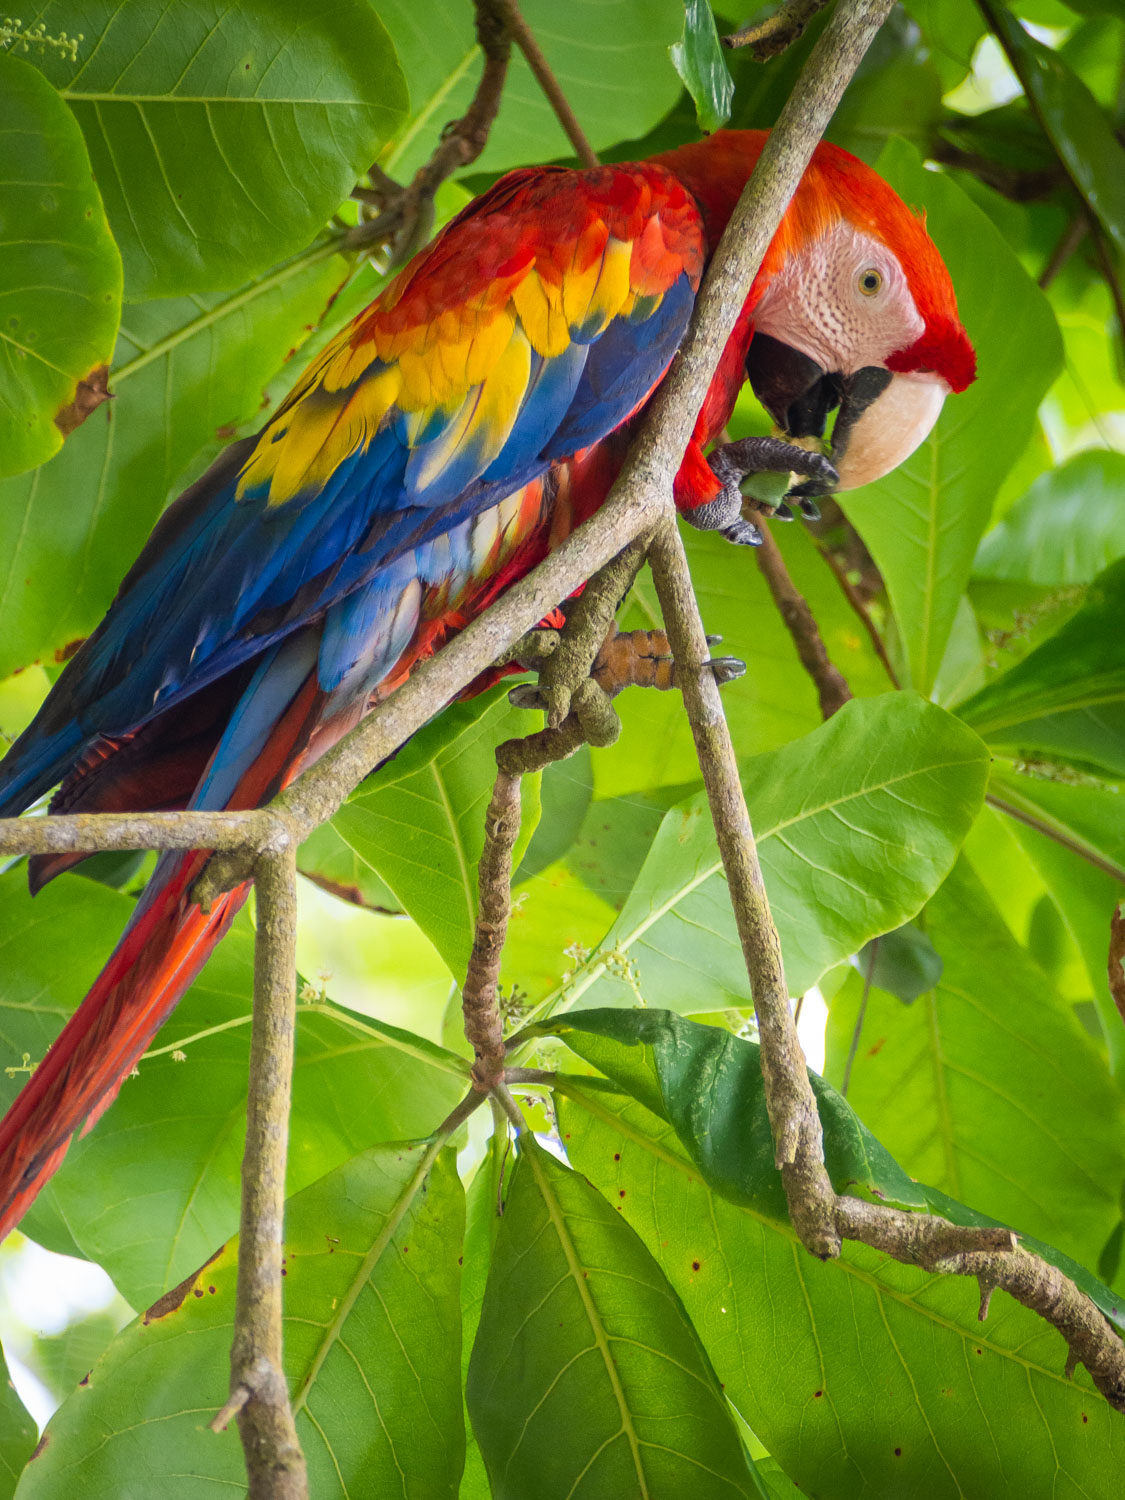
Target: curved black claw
x: 809, y: 508
x: 782, y: 512
x: 713, y: 640
x: 726, y: 668
x: 742, y: 533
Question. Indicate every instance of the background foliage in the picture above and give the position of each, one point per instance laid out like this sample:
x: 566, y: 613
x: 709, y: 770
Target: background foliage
x: 943, y: 857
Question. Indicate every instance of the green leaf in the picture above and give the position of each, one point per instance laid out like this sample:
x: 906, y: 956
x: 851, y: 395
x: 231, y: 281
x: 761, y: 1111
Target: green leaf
x: 904, y: 963
x: 1066, y: 698
x: 60, y: 272
x: 155, y: 1186
x: 699, y: 60
x: 859, y: 1375
x: 1081, y: 816
x: 581, y: 1335
x: 564, y: 797
x: 420, y: 824
x: 372, y: 1352
x: 61, y: 1360
x: 611, y: 61
x: 18, y: 1434
x: 333, y: 865
x: 988, y: 1086
x: 922, y: 522
x: 1075, y: 124
x: 830, y: 812
x: 482, y: 1224
x: 776, y: 701
x: 222, y: 139
x: 1065, y: 529
x: 707, y: 1084
x: 1075, y: 837
x: 186, y: 373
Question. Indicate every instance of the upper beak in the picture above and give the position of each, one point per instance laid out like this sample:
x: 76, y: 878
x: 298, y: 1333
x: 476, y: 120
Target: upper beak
x: 882, y: 417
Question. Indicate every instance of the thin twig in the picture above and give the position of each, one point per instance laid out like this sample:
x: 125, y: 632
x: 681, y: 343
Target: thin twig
x: 522, y: 35
x: 1068, y: 242
x: 831, y: 686
x: 274, y: 1463
x: 407, y: 212
x: 772, y: 36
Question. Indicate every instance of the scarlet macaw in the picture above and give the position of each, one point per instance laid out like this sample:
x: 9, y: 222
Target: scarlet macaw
x: 436, y: 450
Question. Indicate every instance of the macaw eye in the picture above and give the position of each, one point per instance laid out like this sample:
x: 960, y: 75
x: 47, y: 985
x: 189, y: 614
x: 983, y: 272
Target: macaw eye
x: 869, y: 281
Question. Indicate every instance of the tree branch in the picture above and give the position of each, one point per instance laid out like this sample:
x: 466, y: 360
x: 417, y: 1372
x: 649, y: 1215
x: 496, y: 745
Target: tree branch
x: 831, y: 685
x: 480, y: 993
x: 259, y: 1394
x: 406, y: 212
x: 522, y: 35
x: 772, y: 36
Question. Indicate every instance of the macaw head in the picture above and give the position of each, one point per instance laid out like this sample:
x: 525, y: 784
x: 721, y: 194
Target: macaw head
x: 853, y: 311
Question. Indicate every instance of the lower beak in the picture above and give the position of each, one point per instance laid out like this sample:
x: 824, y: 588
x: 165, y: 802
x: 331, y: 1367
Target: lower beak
x: 882, y: 417
x: 885, y: 430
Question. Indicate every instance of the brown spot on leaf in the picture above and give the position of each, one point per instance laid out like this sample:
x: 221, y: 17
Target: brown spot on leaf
x: 64, y: 653
x: 898, y: 1452
x: 173, y: 1299
x: 695, y: 1265
x: 816, y: 1395
x: 40, y: 1445
x: 89, y: 394
x: 225, y: 431
x: 878, y: 1047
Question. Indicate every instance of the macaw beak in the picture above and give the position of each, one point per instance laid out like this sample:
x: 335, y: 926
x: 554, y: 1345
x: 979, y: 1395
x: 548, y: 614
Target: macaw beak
x: 882, y: 417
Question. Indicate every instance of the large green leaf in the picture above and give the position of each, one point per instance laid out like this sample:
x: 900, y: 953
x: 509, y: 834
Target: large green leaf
x: 155, y: 1186
x: 1075, y: 837
x: 222, y: 136
x: 609, y: 56
x: 420, y: 823
x: 483, y: 1211
x: 17, y: 1434
x: 1067, y: 527
x: 707, y: 1084
x: 60, y: 271
x: 1075, y: 124
x: 861, y: 1376
x: 922, y: 522
x: 186, y: 373
x: 988, y: 1086
x: 1083, y: 816
x: 776, y: 700
x: 372, y: 1353
x: 1066, y: 698
x: 833, y: 815
x: 580, y: 1334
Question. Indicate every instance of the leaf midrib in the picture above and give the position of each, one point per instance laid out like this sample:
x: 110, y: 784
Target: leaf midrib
x: 593, y: 1317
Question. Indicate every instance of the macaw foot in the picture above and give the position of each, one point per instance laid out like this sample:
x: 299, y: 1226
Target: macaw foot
x: 634, y: 658
x: 732, y: 462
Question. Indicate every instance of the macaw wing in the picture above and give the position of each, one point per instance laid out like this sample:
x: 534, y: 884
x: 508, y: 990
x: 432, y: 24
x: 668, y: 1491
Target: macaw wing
x: 534, y: 324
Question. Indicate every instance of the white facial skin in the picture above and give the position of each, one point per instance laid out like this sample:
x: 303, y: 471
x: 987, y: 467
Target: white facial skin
x: 845, y: 302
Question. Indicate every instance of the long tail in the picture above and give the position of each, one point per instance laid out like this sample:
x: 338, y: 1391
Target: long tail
x: 167, y: 941
x: 159, y: 955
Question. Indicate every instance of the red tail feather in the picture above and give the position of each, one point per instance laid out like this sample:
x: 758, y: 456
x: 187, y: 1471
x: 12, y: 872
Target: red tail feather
x: 158, y: 956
